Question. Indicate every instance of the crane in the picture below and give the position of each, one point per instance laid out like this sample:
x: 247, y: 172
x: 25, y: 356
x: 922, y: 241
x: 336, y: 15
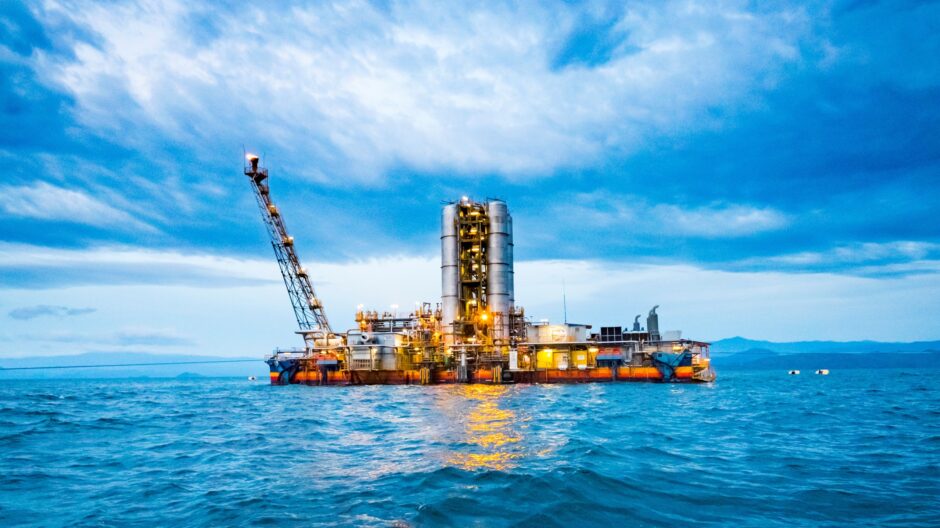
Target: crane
x: 308, y: 309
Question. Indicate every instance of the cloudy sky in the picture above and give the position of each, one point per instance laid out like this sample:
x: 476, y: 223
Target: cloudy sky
x: 766, y: 169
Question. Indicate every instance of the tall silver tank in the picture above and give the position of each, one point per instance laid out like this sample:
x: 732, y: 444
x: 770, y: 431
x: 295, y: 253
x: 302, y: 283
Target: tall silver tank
x: 499, y: 282
x: 450, y: 273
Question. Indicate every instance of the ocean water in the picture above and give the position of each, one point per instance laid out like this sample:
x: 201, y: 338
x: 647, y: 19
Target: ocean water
x: 753, y: 449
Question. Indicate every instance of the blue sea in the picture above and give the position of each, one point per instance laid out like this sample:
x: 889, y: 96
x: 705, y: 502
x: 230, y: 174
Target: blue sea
x: 752, y: 449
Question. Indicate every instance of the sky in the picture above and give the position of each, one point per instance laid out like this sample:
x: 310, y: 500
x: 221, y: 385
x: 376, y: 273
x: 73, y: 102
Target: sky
x: 765, y: 169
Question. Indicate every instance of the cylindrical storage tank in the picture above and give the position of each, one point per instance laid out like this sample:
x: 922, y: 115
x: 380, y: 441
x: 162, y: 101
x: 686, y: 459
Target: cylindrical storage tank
x: 450, y: 272
x: 499, y: 282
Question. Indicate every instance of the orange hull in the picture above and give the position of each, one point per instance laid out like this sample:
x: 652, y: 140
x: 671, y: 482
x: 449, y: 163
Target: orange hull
x: 413, y: 377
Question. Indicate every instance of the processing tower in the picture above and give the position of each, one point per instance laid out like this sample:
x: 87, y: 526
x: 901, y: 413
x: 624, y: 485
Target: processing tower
x: 477, y: 272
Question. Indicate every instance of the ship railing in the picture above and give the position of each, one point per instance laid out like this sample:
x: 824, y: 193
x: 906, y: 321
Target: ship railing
x: 288, y: 353
x: 492, y: 357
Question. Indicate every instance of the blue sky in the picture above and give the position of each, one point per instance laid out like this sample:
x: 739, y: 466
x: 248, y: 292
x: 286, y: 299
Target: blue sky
x: 768, y: 169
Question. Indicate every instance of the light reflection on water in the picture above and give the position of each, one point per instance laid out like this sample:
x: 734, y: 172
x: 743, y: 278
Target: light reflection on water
x: 491, y: 434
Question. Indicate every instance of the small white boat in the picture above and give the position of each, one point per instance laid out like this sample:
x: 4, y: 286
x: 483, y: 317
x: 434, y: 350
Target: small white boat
x: 793, y: 372
x: 823, y: 372
x: 252, y: 378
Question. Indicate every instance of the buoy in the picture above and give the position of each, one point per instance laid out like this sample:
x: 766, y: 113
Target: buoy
x: 252, y: 378
x: 823, y: 372
x: 794, y: 372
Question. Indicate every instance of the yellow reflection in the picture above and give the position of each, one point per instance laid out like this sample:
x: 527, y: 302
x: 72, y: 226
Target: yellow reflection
x: 472, y: 461
x: 489, y: 429
x: 496, y: 440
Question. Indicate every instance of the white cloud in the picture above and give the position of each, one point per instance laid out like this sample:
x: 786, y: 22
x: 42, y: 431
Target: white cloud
x: 47, y: 310
x: 48, y: 202
x: 902, y: 256
x: 716, y: 222
x: 712, y: 304
x: 349, y: 88
x: 137, y: 338
x: 252, y: 314
x: 690, y: 220
x: 122, y: 264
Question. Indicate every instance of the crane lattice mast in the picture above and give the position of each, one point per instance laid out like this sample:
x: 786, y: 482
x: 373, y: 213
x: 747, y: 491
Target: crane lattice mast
x: 307, y: 306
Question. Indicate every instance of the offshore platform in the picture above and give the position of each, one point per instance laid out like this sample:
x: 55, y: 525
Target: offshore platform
x: 476, y: 334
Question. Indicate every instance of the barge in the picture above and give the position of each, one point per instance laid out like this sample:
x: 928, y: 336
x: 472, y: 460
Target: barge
x: 476, y: 333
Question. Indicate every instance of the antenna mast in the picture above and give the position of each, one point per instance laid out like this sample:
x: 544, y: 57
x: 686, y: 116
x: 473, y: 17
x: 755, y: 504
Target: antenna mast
x: 564, y: 299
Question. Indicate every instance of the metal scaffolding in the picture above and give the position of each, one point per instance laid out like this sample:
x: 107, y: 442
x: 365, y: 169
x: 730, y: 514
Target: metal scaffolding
x: 307, y: 306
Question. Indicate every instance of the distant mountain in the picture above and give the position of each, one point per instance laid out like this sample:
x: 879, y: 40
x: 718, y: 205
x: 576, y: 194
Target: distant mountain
x: 764, y: 359
x: 734, y: 345
x: 727, y: 354
x: 188, y: 366
x: 741, y: 353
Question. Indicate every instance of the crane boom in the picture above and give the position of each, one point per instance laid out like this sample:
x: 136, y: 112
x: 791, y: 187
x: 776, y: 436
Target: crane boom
x: 307, y: 306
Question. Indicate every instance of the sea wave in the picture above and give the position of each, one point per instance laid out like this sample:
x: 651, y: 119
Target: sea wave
x: 753, y: 449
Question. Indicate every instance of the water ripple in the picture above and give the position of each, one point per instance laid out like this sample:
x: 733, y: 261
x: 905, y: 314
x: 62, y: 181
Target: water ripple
x: 753, y: 449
